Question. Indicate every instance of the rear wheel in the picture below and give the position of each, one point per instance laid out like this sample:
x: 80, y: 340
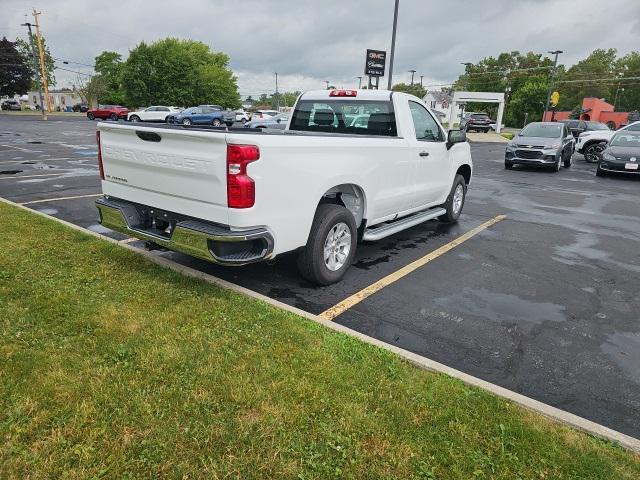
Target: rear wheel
x: 508, y: 165
x: 244, y: 120
x: 592, y: 152
x: 91, y: 116
x: 186, y: 121
x: 331, y: 245
x: 567, y: 160
x: 455, y: 201
x: 113, y: 117
x: 600, y: 172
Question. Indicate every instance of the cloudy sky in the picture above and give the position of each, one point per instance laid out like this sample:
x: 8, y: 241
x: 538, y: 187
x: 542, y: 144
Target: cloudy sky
x: 308, y: 42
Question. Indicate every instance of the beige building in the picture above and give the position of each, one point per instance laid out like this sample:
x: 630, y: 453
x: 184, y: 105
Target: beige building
x: 60, y: 99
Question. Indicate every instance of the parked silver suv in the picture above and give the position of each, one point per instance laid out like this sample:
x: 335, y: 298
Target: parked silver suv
x: 545, y: 144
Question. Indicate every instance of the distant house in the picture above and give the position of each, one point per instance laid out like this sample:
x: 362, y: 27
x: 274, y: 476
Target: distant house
x: 440, y: 105
x: 60, y: 99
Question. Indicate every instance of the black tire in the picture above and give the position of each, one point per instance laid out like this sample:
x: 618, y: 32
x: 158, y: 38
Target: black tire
x: 311, y: 261
x: 186, y: 121
x: 508, y: 165
x: 600, y: 172
x: 593, y: 151
x: 244, y: 120
x: 567, y: 160
x: 113, y: 117
x: 134, y: 118
x: 229, y: 124
x: 216, y: 122
x: 453, y: 213
x: 90, y: 116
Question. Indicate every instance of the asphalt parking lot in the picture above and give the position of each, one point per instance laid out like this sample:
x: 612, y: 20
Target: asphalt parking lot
x: 544, y: 302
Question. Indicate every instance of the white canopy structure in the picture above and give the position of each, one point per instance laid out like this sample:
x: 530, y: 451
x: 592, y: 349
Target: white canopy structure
x: 481, y: 97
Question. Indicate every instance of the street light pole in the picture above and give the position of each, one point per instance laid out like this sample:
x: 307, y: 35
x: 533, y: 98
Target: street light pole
x: 36, y: 70
x: 277, y: 94
x: 359, y: 82
x: 327, y: 82
x: 412, y: 72
x: 421, y: 77
x: 393, y: 44
x: 553, y: 77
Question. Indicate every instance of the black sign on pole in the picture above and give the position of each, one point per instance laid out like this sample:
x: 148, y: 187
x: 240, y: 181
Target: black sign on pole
x: 376, y: 61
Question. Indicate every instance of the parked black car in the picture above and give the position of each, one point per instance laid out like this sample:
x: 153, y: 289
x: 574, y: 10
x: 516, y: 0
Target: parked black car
x: 622, y: 154
x: 576, y: 127
x: 476, y: 121
x: 11, y: 105
x: 80, y: 107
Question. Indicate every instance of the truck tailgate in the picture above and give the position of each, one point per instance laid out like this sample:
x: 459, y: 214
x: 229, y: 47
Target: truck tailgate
x: 173, y: 164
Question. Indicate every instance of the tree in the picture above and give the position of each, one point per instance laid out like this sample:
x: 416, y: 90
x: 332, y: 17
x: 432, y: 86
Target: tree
x: 528, y: 99
x: 92, y: 90
x: 178, y: 72
x: 15, y: 74
x: 629, y: 98
x: 109, y: 66
x: 24, y: 48
x: 414, y: 89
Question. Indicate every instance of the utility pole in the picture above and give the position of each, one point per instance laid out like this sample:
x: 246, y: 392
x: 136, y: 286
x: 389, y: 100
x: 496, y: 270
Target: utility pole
x: 43, y: 71
x: 412, y: 72
x: 553, y: 77
x: 359, y: 82
x: 327, y: 82
x: 393, y: 44
x: 421, y: 77
x: 277, y: 94
x: 35, y: 69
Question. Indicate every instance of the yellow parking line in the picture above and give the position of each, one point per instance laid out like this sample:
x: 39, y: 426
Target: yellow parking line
x: 13, y: 177
x: 356, y: 298
x: 46, y: 200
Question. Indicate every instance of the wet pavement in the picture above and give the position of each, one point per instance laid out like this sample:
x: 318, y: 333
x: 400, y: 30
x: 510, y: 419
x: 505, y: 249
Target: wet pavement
x: 545, y: 302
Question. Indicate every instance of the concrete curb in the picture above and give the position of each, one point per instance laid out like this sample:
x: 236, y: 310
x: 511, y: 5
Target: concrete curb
x: 548, y: 411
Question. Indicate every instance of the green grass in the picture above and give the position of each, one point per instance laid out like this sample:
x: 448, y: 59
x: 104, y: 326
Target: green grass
x: 507, y: 135
x: 112, y: 367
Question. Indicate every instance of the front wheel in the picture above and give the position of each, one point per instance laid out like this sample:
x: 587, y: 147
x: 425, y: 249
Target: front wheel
x: 113, y: 117
x: 91, y: 116
x: 508, y: 165
x: 600, y: 172
x: 567, y: 160
x: 186, y: 121
x: 244, y: 120
x: 455, y: 200
x: 216, y: 122
x: 331, y: 245
x: 593, y: 152
x: 134, y: 118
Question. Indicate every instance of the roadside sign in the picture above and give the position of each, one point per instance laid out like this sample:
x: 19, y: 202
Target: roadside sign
x: 375, y: 63
x: 555, y: 98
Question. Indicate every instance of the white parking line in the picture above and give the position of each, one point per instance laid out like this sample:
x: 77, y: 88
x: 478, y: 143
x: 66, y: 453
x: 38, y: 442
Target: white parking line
x: 46, y: 200
x: 14, y: 177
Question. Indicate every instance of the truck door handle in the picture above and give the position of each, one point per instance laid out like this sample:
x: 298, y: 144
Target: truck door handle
x: 424, y: 154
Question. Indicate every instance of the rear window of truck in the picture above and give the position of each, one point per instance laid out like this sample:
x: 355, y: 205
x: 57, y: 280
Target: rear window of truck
x: 359, y: 117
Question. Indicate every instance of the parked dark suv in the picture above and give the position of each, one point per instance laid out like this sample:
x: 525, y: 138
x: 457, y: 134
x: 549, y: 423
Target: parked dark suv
x: 476, y: 121
x: 576, y: 127
x: 11, y: 105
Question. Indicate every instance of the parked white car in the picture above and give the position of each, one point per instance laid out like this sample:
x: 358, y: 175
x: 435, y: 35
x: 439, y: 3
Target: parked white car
x: 238, y: 196
x: 264, y: 114
x: 242, y: 116
x: 157, y: 113
x: 592, y: 143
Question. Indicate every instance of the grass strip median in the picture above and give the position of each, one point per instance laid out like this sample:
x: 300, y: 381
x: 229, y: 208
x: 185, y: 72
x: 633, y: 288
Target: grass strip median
x: 113, y: 367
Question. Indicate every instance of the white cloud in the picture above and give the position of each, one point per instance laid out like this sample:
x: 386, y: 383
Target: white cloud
x: 309, y: 42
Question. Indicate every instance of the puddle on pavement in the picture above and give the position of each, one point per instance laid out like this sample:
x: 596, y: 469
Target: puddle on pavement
x: 28, y: 163
x: 9, y: 172
x: 35, y: 142
x: 624, y: 350
x: 501, y: 307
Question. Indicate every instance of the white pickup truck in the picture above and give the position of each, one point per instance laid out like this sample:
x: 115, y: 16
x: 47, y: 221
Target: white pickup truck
x: 317, y: 187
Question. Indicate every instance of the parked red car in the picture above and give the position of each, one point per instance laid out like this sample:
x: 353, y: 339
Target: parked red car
x: 111, y: 112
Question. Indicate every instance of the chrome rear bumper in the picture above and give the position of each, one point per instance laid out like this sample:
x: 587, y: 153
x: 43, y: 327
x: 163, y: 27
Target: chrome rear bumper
x: 206, y: 240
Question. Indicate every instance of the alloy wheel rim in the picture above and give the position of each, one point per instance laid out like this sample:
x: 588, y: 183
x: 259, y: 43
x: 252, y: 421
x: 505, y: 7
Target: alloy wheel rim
x: 458, y: 198
x: 337, y: 246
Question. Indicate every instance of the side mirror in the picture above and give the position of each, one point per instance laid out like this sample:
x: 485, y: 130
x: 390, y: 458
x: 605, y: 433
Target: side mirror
x: 455, y: 136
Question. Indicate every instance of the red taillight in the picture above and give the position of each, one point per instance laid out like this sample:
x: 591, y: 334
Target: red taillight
x: 343, y: 93
x: 241, y: 189
x: 100, y: 167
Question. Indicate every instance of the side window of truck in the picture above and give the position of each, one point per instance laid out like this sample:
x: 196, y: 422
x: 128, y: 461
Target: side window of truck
x: 426, y: 127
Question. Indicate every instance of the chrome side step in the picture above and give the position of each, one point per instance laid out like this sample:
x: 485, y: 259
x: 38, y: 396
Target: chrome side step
x: 378, y: 232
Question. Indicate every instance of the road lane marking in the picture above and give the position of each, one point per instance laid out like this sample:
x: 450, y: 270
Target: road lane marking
x: 14, y: 177
x: 357, y: 297
x: 46, y: 200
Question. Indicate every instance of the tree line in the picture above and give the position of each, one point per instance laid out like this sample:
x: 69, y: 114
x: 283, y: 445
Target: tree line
x: 525, y: 78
